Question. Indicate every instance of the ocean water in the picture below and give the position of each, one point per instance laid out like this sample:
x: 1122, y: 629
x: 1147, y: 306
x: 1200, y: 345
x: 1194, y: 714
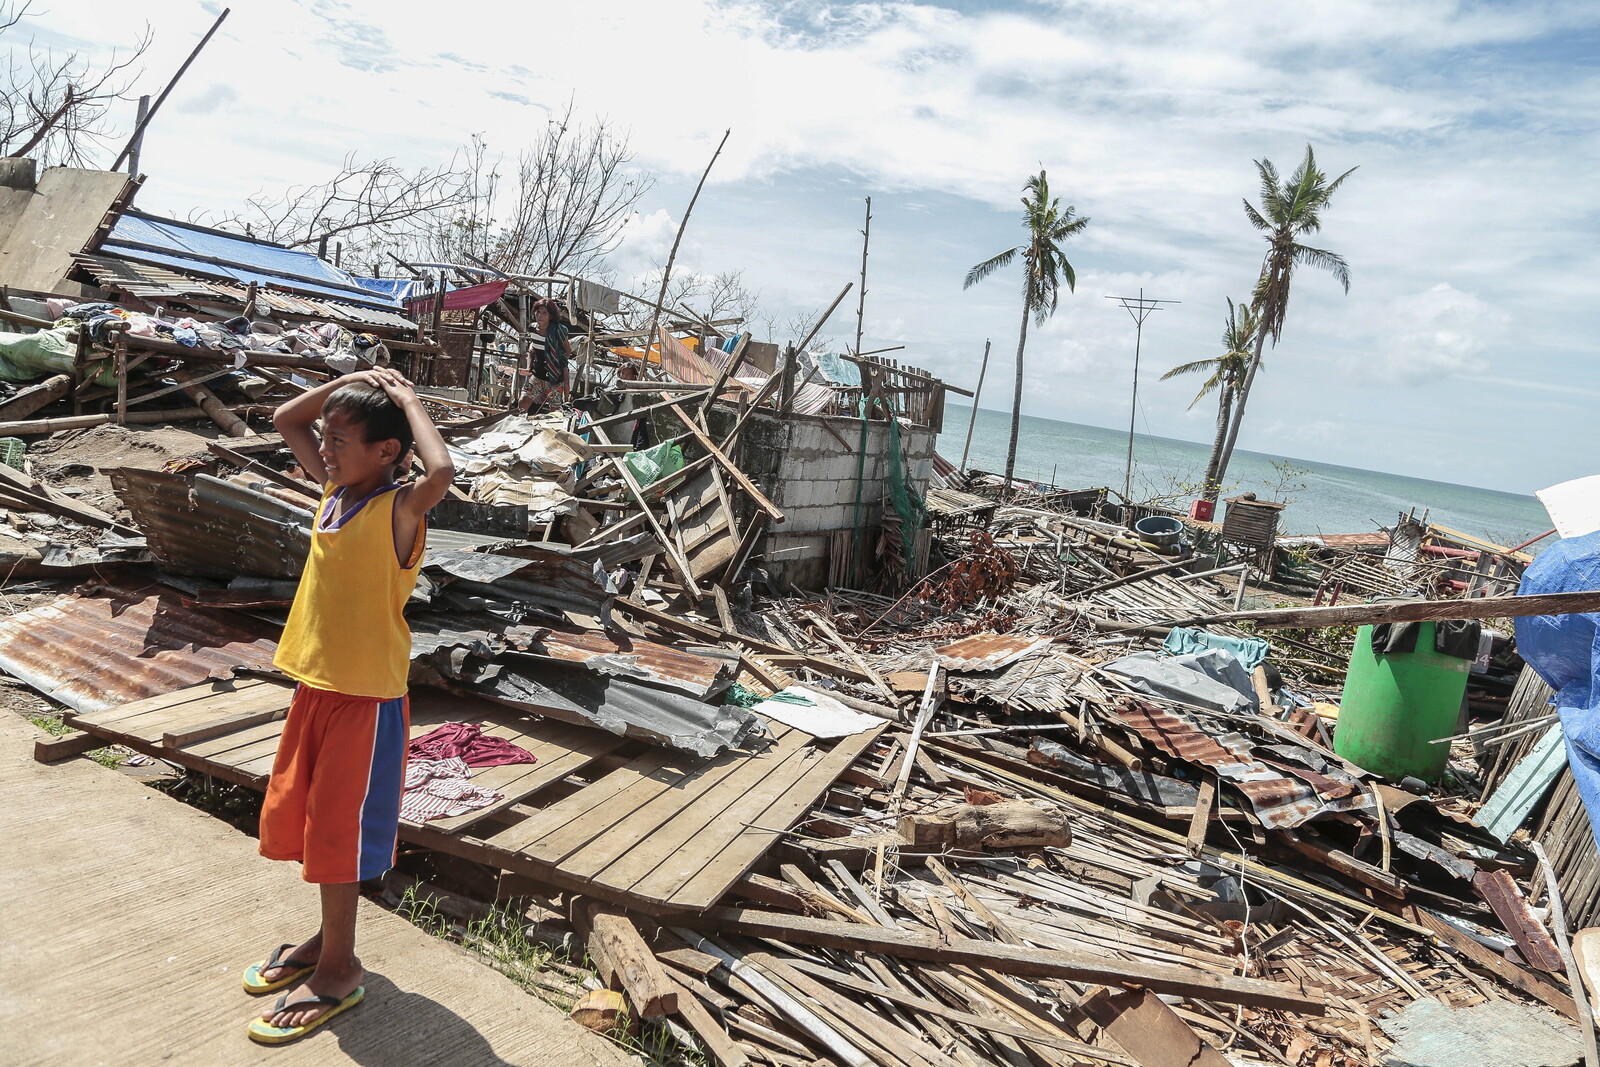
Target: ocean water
x: 1333, y: 499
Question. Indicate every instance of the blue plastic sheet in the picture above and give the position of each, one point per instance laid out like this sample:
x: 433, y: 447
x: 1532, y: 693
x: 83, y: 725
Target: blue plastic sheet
x: 1251, y: 652
x: 1562, y: 649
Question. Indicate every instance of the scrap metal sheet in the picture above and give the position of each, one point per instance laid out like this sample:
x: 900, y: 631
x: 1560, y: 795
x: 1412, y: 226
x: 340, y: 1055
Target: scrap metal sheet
x: 1279, y: 800
x: 987, y: 652
x: 115, y: 644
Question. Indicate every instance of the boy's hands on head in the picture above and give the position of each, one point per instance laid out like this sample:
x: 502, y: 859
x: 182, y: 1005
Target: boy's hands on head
x: 397, y: 386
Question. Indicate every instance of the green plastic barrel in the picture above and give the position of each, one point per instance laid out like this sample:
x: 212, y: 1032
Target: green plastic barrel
x: 1395, y: 704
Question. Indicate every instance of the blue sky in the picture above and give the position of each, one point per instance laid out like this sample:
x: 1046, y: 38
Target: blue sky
x: 1463, y: 351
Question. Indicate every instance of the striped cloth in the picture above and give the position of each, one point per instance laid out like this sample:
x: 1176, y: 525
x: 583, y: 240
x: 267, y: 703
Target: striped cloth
x: 439, y: 789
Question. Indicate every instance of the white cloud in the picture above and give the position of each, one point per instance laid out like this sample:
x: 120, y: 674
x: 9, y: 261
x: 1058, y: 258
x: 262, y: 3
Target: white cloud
x: 1438, y: 332
x: 1470, y: 122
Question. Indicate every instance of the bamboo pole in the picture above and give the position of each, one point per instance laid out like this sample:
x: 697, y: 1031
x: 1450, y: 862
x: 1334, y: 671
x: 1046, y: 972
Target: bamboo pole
x: 1498, y: 607
x: 666, y: 271
x: 973, y: 421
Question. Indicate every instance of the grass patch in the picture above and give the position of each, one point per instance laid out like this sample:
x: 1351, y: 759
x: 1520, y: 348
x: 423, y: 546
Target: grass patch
x: 547, y: 967
x: 51, y: 724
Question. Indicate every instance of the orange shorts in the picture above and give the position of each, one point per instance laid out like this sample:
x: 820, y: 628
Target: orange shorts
x: 333, y: 802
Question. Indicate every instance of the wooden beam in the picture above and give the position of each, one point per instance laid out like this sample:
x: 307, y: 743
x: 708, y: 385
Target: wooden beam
x: 1495, y: 607
x: 1026, y: 962
x: 739, y: 476
x: 50, y: 750
x: 225, y: 725
x: 614, y: 940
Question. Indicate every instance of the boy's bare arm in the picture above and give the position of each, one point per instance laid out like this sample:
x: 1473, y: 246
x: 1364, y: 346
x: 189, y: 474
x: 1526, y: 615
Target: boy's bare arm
x: 438, y: 471
x: 295, y: 419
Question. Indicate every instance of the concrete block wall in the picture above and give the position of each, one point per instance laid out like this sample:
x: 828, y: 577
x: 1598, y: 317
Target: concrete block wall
x: 811, y: 475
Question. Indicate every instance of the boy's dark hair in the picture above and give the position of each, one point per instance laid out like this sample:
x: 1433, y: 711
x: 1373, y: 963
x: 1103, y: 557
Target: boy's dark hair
x: 380, y: 417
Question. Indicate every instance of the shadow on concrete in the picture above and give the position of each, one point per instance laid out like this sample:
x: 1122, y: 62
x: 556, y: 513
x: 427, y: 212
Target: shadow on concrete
x: 449, y: 1039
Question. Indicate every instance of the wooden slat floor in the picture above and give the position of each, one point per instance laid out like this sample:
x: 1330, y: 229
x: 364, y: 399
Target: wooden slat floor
x: 663, y: 830
x: 129, y: 917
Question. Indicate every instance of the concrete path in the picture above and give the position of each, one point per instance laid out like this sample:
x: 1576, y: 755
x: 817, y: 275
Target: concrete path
x: 126, y: 917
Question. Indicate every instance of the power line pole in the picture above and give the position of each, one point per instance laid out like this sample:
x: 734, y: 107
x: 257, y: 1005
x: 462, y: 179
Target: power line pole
x: 1139, y: 307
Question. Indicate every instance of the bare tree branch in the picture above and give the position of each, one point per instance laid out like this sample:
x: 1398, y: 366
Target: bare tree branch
x: 54, y: 105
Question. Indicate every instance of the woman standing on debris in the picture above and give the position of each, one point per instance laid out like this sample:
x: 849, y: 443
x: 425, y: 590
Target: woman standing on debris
x: 548, y: 387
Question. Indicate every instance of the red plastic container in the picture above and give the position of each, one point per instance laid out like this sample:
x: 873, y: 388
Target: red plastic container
x: 1202, y: 510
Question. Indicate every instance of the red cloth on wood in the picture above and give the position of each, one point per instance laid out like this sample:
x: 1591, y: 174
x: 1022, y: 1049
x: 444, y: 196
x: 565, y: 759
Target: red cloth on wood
x: 473, y: 296
x: 467, y: 741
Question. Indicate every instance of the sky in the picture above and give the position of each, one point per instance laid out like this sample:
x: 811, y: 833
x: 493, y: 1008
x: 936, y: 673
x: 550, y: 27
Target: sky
x: 1463, y: 351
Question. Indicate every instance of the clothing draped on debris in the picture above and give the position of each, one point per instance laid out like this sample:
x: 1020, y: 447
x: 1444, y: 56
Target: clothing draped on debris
x: 467, y: 742
x: 441, y: 789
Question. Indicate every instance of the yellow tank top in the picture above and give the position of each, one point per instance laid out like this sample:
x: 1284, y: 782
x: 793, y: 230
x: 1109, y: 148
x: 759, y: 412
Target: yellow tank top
x: 347, y: 632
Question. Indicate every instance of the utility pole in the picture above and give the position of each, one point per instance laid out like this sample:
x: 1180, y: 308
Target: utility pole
x: 976, y: 393
x: 861, y: 299
x: 1139, y: 307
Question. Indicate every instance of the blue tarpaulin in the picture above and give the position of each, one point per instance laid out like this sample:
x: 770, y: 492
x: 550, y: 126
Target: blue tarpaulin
x: 1563, y: 650
x: 210, y: 253
x: 395, y: 288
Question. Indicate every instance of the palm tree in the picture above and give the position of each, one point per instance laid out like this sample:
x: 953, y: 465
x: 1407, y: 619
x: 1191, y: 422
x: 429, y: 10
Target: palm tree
x: 1045, y: 267
x: 1227, y: 373
x: 1289, y: 210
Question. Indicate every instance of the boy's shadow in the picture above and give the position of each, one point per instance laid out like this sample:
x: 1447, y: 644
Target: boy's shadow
x: 412, y: 1029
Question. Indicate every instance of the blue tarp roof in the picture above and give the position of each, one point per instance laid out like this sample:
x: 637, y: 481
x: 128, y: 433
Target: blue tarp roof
x: 395, y: 288
x: 198, y: 250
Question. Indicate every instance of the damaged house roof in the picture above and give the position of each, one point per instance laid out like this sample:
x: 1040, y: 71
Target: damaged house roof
x: 209, y: 253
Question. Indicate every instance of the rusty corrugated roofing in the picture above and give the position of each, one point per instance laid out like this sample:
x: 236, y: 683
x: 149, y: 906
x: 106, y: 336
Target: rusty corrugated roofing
x: 113, y: 644
x: 634, y: 657
x: 216, y: 528
x: 1279, y: 800
x: 987, y: 652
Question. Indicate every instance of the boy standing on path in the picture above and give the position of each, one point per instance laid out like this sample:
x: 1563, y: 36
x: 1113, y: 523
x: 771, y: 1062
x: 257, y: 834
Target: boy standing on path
x: 333, y: 802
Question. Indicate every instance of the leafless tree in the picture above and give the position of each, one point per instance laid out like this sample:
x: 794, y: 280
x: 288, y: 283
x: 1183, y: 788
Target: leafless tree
x: 562, y: 210
x: 704, y: 298
x: 367, y: 205
x: 55, y: 106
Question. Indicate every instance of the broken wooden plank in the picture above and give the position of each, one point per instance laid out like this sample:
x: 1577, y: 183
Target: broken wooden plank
x: 1511, y: 908
x: 1518, y: 977
x: 1489, y: 607
x: 1007, y: 959
x: 614, y: 939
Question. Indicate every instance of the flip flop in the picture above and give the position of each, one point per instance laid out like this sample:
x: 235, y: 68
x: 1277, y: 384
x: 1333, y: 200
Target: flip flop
x: 254, y: 983
x: 265, y: 1033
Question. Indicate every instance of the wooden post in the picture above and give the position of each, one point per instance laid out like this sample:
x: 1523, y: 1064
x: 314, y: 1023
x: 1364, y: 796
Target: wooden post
x: 983, y: 369
x: 119, y: 358
x: 861, y: 297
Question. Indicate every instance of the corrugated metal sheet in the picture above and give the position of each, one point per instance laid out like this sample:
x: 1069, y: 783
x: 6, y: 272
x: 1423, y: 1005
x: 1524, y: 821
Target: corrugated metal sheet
x: 949, y: 503
x: 1278, y: 800
x: 215, y: 529
x: 697, y: 674
x: 150, y: 282
x: 618, y: 705
x: 987, y: 652
x: 213, y: 254
x: 114, y: 644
